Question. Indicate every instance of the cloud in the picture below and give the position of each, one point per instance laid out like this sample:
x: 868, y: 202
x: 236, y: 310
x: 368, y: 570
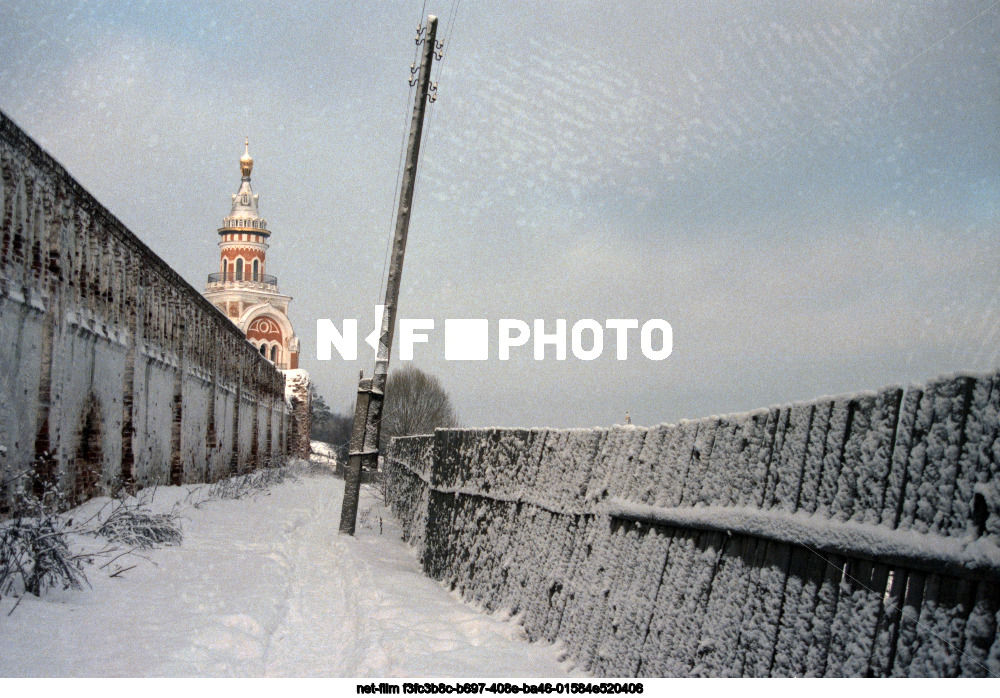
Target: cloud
x: 805, y: 191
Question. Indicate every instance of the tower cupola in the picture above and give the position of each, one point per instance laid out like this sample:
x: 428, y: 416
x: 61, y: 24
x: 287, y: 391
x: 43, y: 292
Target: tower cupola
x: 242, y: 288
x: 244, y: 216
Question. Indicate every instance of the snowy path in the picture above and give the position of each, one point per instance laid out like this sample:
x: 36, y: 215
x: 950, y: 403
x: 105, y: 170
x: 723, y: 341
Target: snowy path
x: 266, y: 587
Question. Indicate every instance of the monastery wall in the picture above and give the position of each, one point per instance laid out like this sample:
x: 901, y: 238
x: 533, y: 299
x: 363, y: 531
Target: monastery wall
x: 114, y: 371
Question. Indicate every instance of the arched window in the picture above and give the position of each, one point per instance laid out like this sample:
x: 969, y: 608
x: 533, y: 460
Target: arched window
x: 274, y: 354
x: 263, y: 350
x: 225, y: 270
x: 239, y: 269
x: 255, y: 269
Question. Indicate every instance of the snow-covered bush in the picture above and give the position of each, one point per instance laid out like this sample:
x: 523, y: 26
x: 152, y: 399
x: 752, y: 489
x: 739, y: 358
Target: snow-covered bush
x: 42, y: 547
x: 249, y: 484
x: 310, y: 468
x: 132, y: 523
x: 35, y: 555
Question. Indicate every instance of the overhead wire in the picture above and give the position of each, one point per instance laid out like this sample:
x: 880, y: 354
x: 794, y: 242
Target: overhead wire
x: 445, y: 50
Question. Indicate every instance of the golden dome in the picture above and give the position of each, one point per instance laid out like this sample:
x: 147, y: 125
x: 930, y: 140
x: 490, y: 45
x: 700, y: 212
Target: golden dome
x: 246, y: 162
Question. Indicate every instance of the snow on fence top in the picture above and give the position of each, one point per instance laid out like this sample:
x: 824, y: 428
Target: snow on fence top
x: 848, y: 535
x: 927, y: 460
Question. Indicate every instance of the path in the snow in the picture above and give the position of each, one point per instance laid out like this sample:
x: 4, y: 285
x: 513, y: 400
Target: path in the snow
x: 267, y: 587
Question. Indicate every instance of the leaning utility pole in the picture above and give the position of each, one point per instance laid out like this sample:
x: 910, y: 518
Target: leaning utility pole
x: 371, y: 393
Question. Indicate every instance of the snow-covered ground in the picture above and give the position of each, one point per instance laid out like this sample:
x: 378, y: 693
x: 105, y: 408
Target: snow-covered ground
x: 266, y: 586
x: 324, y: 453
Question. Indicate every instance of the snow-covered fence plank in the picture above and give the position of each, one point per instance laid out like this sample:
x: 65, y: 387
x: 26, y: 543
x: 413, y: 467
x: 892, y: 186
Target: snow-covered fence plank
x: 944, y: 446
x: 759, y: 631
x: 114, y: 371
x: 887, y: 631
x: 701, y: 456
x: 849, y: 536
x: 977, y: 480
x: 701, y: 572
x: 551, y: 601
x: 643, y: 485
x: 612, y: 631
x: 676, y: 462
x: 855, y: 624
x: 640, y: 599
x: 716, y: 478
x: 909, y: 626
x: 718, y: 638
x: 790, y: 650
x: 841, y: 421
x: 537, y: 549
x: 981, y: 650
x: 945, y: 608
x: 815, y: 451
x: 789, y: 462
x: 589, y: 586
x: 774, y: 473
x: 899, y: 474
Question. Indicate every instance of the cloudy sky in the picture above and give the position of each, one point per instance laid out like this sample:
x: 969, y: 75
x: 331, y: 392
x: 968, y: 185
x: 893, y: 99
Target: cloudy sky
x: 808, y: 192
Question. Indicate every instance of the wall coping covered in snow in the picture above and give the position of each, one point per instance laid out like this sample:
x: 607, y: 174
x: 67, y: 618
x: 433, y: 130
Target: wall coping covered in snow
x: 12, y: 133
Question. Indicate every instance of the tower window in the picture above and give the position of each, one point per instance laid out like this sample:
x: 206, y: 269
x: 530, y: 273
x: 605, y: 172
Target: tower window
x: 274, y: 354
x: 225, y: 269
x: 239, y: 269
x: 263, y: 351
x: 255, y: 269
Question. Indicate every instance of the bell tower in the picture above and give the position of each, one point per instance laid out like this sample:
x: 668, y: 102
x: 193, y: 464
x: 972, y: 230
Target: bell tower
x: 241, y: 288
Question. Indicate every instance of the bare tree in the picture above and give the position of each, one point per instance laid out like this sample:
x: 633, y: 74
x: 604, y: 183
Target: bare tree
x: 415, y: 403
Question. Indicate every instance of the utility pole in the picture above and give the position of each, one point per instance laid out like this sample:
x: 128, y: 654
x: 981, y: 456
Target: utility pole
x: 371, y: 393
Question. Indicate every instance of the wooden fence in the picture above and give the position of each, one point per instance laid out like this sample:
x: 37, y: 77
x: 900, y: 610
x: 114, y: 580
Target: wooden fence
x: 847, y: 536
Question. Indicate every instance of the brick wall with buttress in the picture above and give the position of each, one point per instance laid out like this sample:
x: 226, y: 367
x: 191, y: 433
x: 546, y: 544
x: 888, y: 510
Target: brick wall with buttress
x: 114, y: 371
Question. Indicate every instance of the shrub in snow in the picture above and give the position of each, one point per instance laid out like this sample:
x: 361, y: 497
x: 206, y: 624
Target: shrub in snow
x: 132, y: 523
x: 312, y: 467
x: 34, y: 550
x: 43, y: 548
x: 252, y: 483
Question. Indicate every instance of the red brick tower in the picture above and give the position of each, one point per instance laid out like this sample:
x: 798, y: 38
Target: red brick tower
x: 241, y: 289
